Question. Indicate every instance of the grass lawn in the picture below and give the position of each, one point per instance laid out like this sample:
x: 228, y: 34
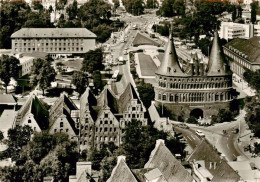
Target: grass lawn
x: 147, y: 65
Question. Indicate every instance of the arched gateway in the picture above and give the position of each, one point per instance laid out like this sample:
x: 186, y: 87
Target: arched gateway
x: 197, y: 113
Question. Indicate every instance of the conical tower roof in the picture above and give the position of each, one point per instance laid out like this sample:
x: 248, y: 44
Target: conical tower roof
x: 216, y: 59
x: 170, y: 64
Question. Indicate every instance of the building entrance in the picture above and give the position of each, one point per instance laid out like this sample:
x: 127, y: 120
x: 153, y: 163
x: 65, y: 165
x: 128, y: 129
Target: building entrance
x: 197, y: 113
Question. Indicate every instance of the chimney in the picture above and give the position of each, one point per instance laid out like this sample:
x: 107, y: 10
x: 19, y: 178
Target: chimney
x: 210, y: 165
x: 119, y: 158
x: 215, y: 165
x: 83, y: 166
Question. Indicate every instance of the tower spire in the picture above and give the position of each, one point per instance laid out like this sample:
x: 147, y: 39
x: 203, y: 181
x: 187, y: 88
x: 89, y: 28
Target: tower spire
x: 216, y: 58
x: 170, y: 64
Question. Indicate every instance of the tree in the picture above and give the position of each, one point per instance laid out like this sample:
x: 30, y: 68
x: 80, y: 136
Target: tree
x: 240, y: 11
x: 80, y: 80
x: 9, y: 69
x: 72, y: 10
x: 43, y: 74
x: 146, y: 93
x: 254, y: 8
x: 17, y: 138
x: 1, y: 136
x: 192, y: 120
x: 234, y: 13
x: 93, y: 61
x: 139, y: 141
x: 135, y: 7
x: 179, y: 7
x: 253, y: 79
x: 97, y: 81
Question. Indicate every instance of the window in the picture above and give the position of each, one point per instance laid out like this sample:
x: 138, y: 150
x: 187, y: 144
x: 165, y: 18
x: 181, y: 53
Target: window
x: 111, y: 122
x: 133, y: 108
x: 101, y: 122
x: 105, y: 129
x: 67, y: 130
x: 133, y: 115
x: 86, y: 120
x: 55, y: 130
x: 100, y: 130
x: 61, y: 124
x: 106, y: 115
x: 114, y: 129
x: 110, y: 129
x: 29, y: 121
x: 164, y: 97
x: 106, y: 122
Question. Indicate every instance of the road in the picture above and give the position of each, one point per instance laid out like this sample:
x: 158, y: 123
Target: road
x: 190, y: 136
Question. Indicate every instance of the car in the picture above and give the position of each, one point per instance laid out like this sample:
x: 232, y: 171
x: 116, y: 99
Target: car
x: 200, y: 133
x: 184, y: 126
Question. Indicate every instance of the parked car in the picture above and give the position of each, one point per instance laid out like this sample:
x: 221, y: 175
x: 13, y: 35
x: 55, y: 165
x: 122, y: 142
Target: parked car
x: 200, y: 133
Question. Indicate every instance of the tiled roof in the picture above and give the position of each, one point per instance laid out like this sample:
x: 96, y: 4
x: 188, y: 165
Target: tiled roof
x: 122, y: 173
x: 7, y: 99
x: 87, y: 102
x: 250, y: 47
x: 63, y: 102
x: 170, y: 64
x: 124, y: 99
x: 170, y: 167
x: 216, y: 59
x: 53, y: 33
x: 107, y: 98
x: 36, y: 107
x: 71, y: 121
x: 222, y: 172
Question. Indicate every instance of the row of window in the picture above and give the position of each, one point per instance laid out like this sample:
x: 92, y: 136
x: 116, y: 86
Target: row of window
x: 237, y: 59
x: 195, y: 86
x: 49, y: 49
x: 194, y: 97
x: 47, y: 44
x: 48, y: 39
x: 193, y: 79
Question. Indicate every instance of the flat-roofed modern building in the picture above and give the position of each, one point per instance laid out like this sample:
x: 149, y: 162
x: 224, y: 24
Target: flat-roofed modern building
x: 54, y: 41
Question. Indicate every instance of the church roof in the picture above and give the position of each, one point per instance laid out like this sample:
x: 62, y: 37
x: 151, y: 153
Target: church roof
x: 170, y: 167
x: 222, y: 172
x: 170, y: 64
x: 216, y: 59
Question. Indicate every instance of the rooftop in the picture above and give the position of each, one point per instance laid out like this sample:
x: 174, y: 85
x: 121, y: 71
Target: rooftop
x: 53, y: 33
x: 7, y: 99
x: 222, y: 171
x: 249, y: 47
x: 170, y: 167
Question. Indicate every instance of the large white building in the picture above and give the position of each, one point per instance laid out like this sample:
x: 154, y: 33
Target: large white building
x: 54, y: 41
x: 231, y: 30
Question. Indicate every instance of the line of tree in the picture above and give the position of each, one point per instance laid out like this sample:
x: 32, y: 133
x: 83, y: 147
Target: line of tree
x: 42, y: 155
x: 135, y: 7
x: 16, y: 15
x: 252, y: 78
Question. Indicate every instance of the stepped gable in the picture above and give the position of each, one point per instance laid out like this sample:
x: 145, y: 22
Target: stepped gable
x: 216, y: 59
x: 63, y: 102
x: 122, y: 173
x: 107, y: 99
x: 124, y: 99
x: 88, y: 102
x: 170, y: 167
x: 222, y: 171
x: 36, y: 107
x: 71, y: 121
x: 170, y: 65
